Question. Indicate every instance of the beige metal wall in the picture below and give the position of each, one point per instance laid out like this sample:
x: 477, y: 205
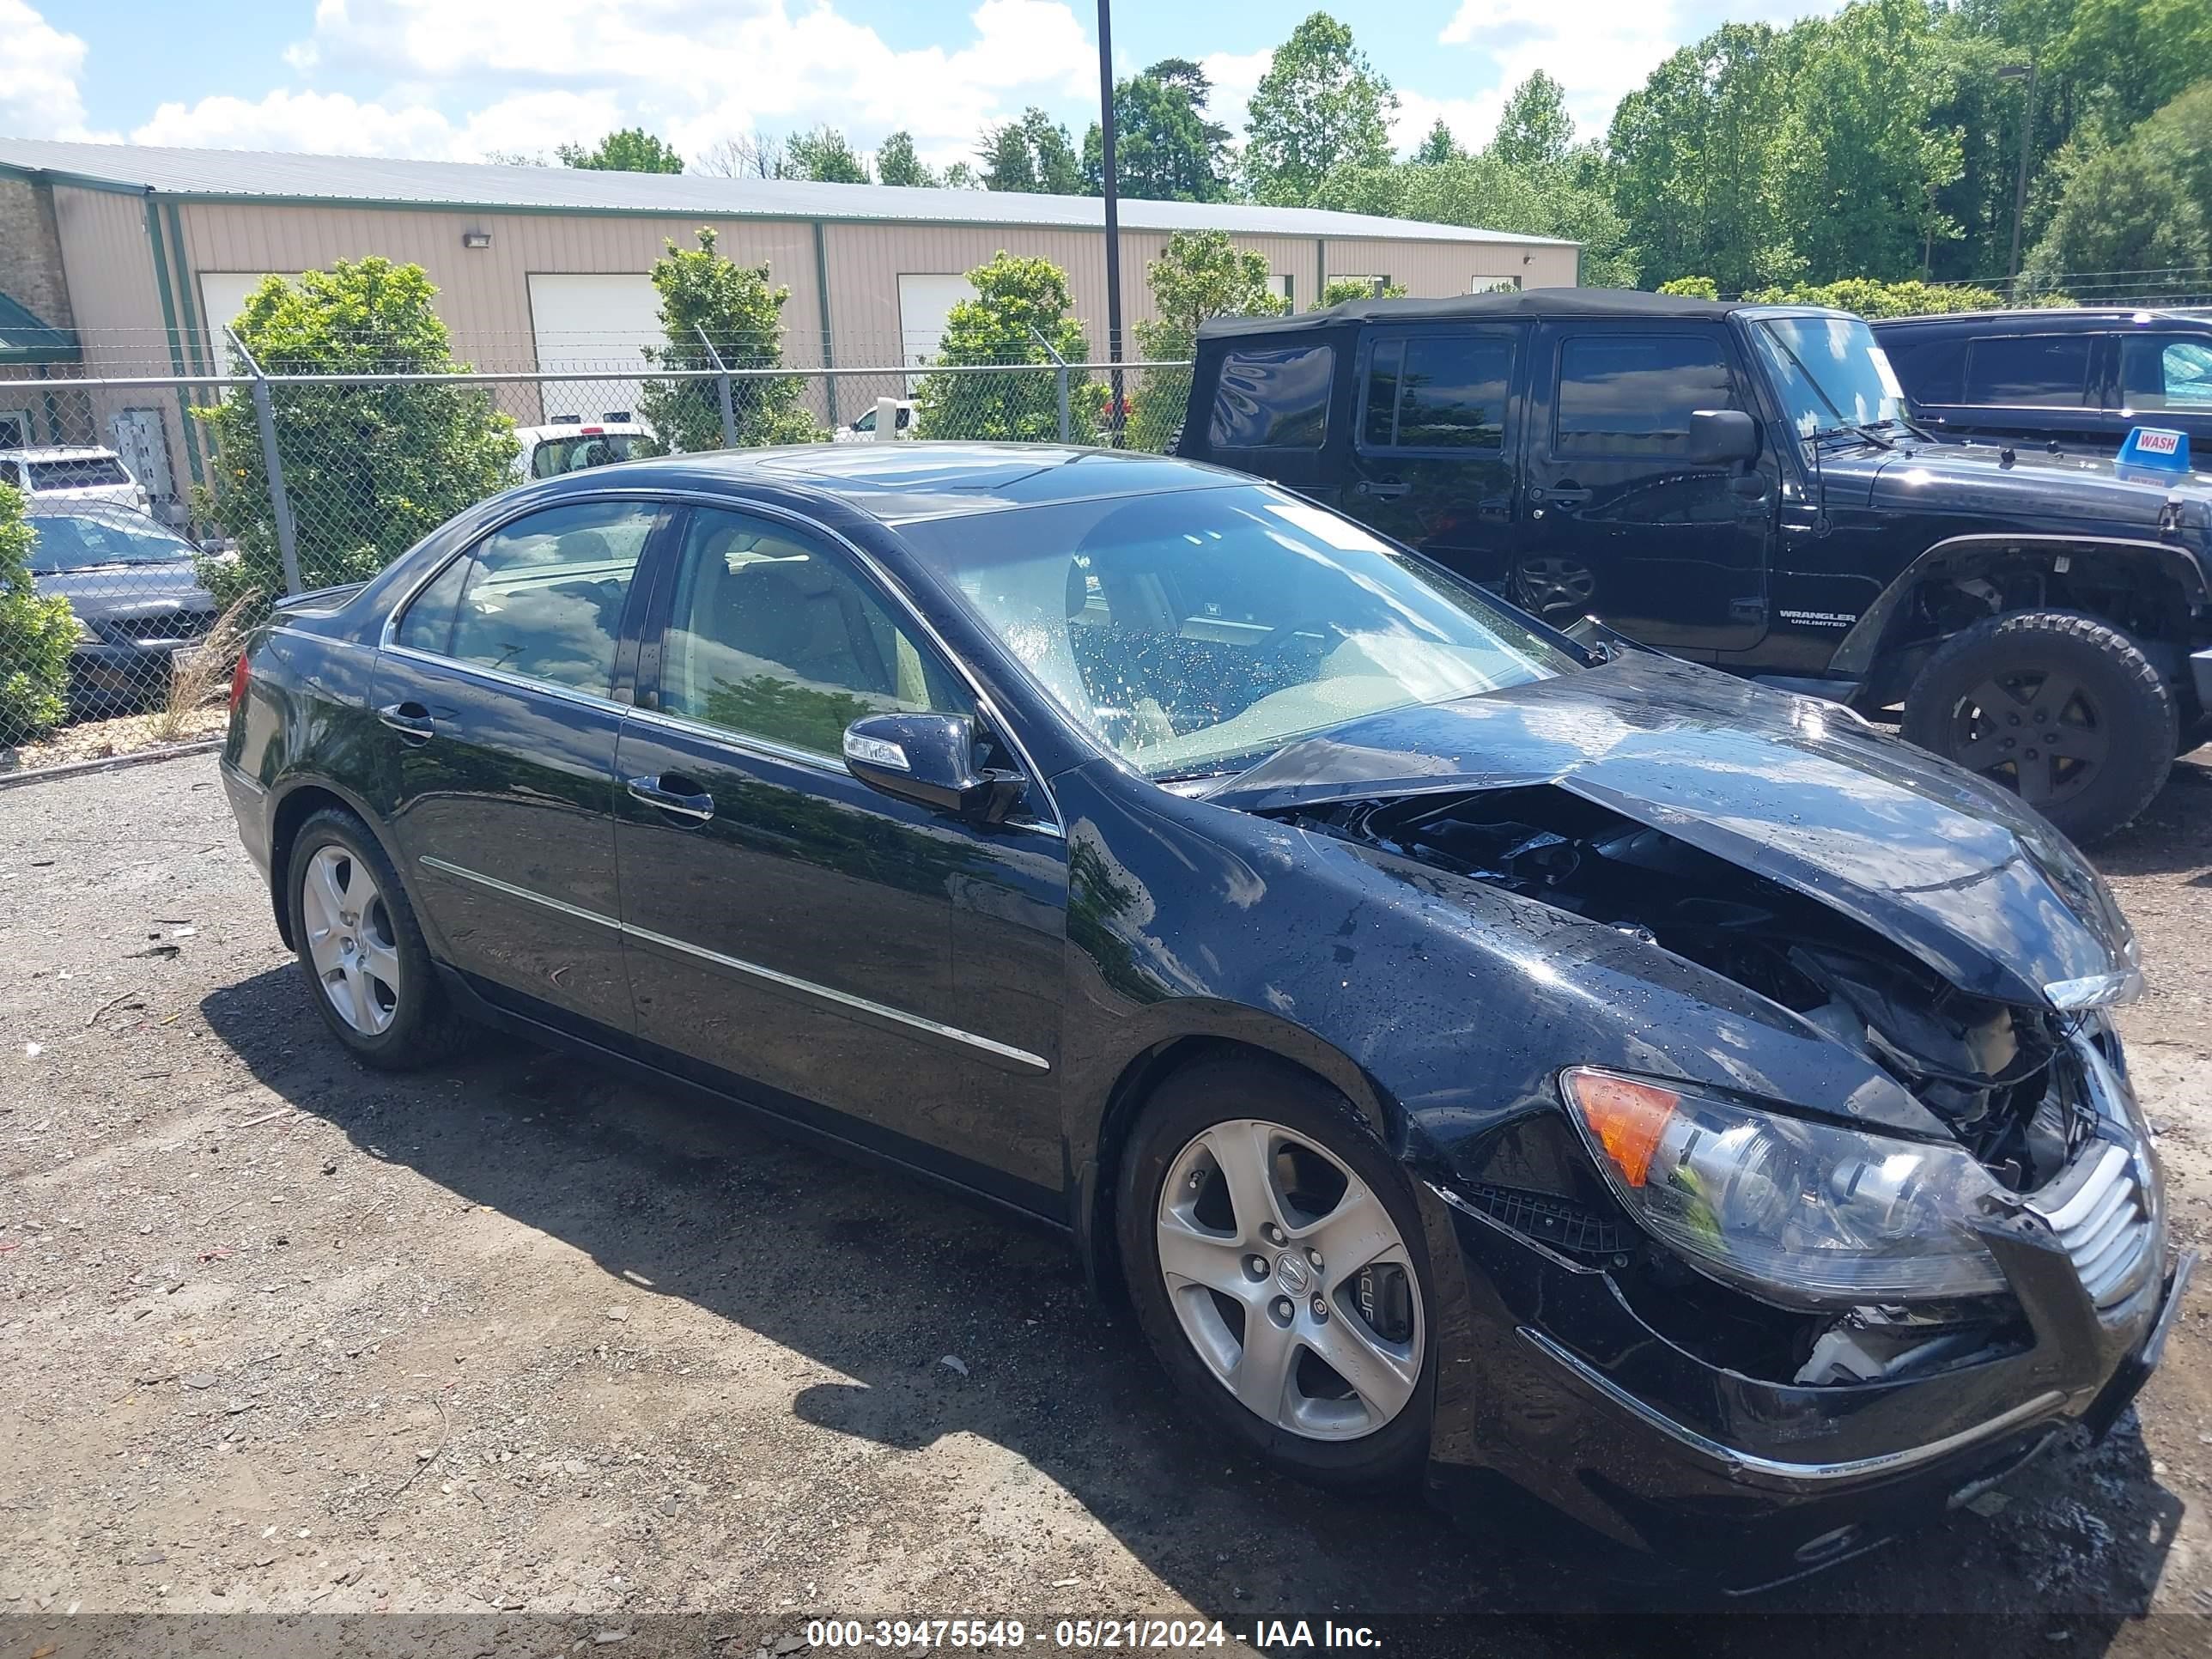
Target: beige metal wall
x: 116, y: 300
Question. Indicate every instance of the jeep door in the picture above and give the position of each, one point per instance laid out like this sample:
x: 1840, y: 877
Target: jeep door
x: 1433, y: 439
x: 1615, y: 520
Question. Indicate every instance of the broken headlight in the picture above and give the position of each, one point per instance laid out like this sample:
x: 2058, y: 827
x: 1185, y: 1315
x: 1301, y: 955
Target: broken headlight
x: 1792, y: 1210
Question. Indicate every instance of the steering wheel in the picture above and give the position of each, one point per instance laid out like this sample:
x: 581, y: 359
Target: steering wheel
x: 1280, y: 639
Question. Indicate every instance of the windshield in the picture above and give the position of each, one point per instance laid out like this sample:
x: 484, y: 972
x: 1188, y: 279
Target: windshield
x: 1829, y: 373
x: 68, y: 541
x: 78, y: 472
x: 1203, y: 628
x: 557, y: 455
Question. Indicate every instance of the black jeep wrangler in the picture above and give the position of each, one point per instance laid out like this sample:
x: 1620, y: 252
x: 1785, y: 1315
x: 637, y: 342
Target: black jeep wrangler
x: 1746, y: 486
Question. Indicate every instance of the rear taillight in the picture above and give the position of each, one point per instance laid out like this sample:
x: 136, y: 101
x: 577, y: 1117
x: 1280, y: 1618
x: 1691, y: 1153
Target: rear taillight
x: 239, y: 677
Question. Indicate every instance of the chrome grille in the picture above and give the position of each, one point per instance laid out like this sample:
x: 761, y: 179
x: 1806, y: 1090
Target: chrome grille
x: 2103, y: 1220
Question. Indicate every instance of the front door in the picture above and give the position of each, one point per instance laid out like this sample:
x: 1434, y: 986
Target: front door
x: 1432, y: 444
x: 498, y: 710
x: 1616, y: 520
x: 790, y: 926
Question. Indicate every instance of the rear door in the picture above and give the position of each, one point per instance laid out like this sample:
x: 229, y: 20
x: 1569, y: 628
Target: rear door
x: 791, y: 927
x: 1616, y: 520
x: 1270, y: 416
x: 2025, y: 388
x: 1433, y: 441
x: 499, y: 693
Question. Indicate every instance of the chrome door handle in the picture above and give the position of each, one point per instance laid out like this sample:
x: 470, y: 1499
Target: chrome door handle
x: 410, y: 720
x: 1383, y: 489
x: 1566, y: 497
x: 699, y: 807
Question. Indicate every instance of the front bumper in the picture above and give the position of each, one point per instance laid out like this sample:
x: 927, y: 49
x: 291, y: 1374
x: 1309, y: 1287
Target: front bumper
x: 1677, y: 1466
x: 110, y: 675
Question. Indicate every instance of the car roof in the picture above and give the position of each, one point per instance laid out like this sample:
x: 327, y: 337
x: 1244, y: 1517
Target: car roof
x: 59, y: 453
x: 902, y: 482
x: 1578, y: 302
x: 583, y: 429
x: 2040, y: 319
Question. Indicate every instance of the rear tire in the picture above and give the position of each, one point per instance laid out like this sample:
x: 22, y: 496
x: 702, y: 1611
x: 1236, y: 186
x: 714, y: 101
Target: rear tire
x: 2060, y: 707
x: 1364, y: 1427
x: 368, y: 968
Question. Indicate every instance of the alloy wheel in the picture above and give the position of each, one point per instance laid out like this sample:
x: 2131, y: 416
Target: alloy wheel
x: 1545, y: 585
x: 351, y: 939
x: 1291, y: 1281
x: 2039, y: 731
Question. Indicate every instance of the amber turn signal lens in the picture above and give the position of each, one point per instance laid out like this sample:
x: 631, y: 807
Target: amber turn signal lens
x: 1627, y: 1118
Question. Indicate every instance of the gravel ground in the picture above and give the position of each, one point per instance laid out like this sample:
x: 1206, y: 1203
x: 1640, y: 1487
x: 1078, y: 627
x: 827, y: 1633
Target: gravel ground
x: 523, y: 1340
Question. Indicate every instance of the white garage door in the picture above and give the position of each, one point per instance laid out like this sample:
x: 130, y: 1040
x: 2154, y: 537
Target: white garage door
x: 924, y: 302
x: 223, y: 296
x: 598, y: 322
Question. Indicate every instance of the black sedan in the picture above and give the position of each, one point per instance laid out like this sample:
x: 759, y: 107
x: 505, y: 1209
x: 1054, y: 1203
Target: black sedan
x: 1474, y: 1052
x: 133, y: 588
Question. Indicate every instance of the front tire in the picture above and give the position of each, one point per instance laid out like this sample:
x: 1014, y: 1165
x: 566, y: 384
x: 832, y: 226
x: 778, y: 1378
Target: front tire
x: 367, y: 968
x: 1276, y: 1263
x: 2061, y: 708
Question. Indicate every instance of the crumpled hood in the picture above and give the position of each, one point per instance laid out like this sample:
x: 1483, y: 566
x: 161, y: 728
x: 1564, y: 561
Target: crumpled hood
x: 1952, y: 869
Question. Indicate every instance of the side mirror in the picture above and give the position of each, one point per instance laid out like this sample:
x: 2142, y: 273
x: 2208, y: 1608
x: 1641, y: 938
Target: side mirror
x: 930, y: 760
x: 1720, y: 437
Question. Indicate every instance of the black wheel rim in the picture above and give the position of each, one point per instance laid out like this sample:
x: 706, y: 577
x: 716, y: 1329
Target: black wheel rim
x: 1553, y: 584
x: 2036, y: 731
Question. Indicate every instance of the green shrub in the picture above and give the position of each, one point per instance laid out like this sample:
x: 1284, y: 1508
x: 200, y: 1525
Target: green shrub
x: 1021, y: 305
x: 35, y: 636
x: 743, y: 314
x: 1870, y: 298
x: 1692, y: 288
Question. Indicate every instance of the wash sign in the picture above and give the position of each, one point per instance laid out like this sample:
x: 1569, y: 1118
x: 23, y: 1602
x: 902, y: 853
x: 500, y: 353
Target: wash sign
x: 2159, y: 447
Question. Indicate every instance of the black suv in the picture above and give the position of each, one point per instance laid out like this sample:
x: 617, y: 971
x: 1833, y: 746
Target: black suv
x: 2077, y: 377
x: 1746, y: 486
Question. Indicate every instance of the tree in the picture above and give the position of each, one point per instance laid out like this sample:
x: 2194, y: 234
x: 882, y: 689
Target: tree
x: 1534, y: 129
x: 1021, y: 305
x: 1337, y: 290
x: 1321, y: 105
x: 1165, y: 149
x: 1439, y: 147
x: 370, y: 470
x: 897, y: 164
x: 1480, y: 189
x: 961, y: 176
x: 742, y: 315
x: 36, y: 634
x: 2142, y: 205
x: 1200, y: 275
x: 633, y: 149
x: 757, y: 157
x: 1699, y: 161
x: 1033, y: 154
x: 824, y: 157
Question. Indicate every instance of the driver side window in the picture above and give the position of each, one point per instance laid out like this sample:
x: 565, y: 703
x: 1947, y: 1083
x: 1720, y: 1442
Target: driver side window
x: 775, y: 636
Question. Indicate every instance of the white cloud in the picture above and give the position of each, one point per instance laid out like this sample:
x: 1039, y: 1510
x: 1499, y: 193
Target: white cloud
x: 1599, y: 50
x: 1235, y: 77
x: 1472, y: 120
x: 40, y: 67
x: 331, y: 123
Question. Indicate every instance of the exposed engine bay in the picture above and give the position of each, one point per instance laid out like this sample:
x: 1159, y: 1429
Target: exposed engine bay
x: 2002, y: 1078
x: 2006, y: 1080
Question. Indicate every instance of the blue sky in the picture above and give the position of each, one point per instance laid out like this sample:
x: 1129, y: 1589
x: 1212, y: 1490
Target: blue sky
x: 453, y: 79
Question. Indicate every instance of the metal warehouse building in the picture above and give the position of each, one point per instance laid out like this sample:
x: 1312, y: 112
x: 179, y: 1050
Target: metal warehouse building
x: 121, y: 260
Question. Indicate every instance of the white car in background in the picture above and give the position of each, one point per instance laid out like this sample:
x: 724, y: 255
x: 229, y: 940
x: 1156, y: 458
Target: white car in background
x: 570, y: 444
x: 67, y: 477
x: 863, y: 431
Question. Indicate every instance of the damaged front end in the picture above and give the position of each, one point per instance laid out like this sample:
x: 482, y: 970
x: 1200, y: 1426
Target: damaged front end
x: 1773, y: 1239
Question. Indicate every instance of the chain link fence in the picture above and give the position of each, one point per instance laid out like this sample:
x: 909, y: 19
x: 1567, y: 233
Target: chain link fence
x: 167, y: 511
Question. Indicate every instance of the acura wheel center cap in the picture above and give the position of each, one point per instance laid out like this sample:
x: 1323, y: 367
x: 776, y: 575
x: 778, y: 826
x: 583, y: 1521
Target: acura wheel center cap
x: 1292, y: 1274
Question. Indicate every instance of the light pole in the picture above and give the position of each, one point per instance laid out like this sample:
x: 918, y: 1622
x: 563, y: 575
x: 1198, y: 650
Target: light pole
x: 1111, y: 190
x: 2015, y: 72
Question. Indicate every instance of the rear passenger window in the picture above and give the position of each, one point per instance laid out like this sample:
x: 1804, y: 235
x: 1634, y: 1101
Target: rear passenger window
x: 542, y: 597
x: 1441, y: 392
x: 2040, y: 370
x: 1630, y: 394
x: 1273, y: 399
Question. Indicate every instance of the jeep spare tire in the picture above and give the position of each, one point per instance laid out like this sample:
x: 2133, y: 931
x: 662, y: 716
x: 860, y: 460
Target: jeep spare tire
x: 2058, y: 707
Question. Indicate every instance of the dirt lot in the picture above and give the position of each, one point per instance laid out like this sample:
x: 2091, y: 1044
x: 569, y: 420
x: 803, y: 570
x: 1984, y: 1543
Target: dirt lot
x: 519, y: 1340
